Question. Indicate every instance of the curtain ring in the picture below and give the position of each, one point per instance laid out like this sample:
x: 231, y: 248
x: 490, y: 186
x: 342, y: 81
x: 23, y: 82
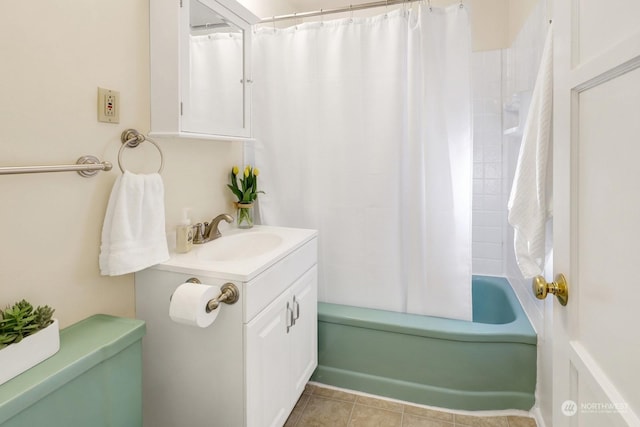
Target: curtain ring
x: 405, y: 7
x: 321, y: 17
x: 351, y: 9
x: 430, y: 7
x: 461, y: 5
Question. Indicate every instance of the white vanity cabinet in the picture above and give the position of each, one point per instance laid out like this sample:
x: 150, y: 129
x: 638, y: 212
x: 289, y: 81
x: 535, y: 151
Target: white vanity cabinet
x: 281, y: 344
x: 250, y: 366
x: 200, y: 69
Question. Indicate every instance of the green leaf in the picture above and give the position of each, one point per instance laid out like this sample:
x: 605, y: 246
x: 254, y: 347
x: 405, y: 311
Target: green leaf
x: 236, y: 191
x: 24, y: 305
x: 234, y: 181
x: 43, y: 316
x: 6, y: 339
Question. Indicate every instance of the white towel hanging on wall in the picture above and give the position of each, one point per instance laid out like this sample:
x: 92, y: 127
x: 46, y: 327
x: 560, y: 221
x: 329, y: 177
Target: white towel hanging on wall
x: 530, y: 202
x: 133, y: 233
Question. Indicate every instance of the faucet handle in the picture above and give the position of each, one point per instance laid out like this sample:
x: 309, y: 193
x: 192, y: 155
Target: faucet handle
x: 198, y: 232
x: 205, y: 232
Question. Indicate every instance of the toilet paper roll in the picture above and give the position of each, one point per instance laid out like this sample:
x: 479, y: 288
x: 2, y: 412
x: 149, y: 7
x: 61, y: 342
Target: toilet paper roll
x: 189, y: 304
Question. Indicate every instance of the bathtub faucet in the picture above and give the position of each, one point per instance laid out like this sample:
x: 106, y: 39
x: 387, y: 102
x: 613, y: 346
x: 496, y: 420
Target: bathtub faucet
x: 209, y: 231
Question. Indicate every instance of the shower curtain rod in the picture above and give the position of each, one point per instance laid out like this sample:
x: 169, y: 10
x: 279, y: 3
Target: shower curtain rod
x: 349, y: 8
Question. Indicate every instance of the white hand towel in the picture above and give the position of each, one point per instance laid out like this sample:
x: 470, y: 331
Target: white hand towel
x: 530, y: 202
x: 133, y: 233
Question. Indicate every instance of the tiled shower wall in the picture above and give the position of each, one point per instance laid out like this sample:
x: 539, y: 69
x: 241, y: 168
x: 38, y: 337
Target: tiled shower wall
x: 502, y: 84
x: 489, y: 202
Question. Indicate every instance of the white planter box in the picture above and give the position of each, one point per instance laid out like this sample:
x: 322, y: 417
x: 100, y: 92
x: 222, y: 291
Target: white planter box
x: 17, y: 358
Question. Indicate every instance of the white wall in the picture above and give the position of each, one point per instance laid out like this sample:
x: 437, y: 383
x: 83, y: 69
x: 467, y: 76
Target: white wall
x: 262, y: 8
x: 54, y: 56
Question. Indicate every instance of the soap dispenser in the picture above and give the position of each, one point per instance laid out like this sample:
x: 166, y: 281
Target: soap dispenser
x: 184, y: 233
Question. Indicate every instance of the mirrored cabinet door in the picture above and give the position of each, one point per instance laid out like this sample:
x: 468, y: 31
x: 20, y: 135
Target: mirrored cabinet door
x: 215, y: 88
x: 208, y: 95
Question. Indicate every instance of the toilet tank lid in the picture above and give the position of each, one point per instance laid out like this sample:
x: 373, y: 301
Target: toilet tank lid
x: 83, y: 345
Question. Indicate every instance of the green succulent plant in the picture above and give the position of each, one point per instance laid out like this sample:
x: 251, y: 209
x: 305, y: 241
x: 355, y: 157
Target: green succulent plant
x: 20, y: 320
x: 43, y: 316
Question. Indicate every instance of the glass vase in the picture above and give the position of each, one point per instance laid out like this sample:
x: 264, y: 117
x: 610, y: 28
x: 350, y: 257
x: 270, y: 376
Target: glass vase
x: 244, y: 215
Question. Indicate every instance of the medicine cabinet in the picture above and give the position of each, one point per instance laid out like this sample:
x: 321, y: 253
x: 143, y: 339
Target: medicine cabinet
x: 200, y: 69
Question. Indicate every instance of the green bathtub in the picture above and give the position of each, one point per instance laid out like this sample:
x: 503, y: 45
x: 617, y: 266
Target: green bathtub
x: 487, y: 364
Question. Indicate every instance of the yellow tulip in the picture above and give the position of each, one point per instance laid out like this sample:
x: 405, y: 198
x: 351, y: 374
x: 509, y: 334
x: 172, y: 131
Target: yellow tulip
x: 235, y: 170
x: 246, y: 172
x: 256, y: 171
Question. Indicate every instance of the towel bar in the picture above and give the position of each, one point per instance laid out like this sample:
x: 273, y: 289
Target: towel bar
x: 86, y: 166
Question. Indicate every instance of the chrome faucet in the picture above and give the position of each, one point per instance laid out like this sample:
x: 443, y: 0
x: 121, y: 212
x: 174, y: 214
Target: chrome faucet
x: 209, y: 231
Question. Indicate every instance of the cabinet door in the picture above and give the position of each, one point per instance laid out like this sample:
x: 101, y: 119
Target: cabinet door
x: 304, y: 333
x: 268, y: 377
x: 216, y: 51
x: 200, y: 88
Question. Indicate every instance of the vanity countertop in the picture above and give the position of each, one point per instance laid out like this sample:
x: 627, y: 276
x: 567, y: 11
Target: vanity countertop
x: 240, y: 254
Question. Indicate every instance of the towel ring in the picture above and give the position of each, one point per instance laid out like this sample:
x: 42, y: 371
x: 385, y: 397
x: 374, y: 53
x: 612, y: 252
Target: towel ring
x: 132, y: 138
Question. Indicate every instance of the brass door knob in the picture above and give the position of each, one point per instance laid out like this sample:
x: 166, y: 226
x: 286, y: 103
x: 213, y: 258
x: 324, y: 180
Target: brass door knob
x: 558, y: 288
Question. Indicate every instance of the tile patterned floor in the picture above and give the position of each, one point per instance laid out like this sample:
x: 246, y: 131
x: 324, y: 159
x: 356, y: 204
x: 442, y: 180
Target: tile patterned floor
x: 327, y: 407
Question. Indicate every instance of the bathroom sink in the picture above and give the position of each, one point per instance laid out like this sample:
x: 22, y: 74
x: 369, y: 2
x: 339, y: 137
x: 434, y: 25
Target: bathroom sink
x: 239, y: 246
x: 240, y: 254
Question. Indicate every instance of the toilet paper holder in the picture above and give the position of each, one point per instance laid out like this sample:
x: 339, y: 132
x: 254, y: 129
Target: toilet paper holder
x: 229, y: 294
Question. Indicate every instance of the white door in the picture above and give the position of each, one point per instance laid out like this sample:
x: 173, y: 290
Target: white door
x: 596, y: 364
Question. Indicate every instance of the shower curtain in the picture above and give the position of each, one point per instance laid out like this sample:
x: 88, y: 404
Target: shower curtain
x: 363, y: 132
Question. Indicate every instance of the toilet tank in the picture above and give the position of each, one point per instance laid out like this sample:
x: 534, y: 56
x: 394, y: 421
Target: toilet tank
x: 94, y: 380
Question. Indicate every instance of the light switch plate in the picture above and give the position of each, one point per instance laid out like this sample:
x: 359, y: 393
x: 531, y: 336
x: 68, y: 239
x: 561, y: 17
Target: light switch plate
x: 108, y: 105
